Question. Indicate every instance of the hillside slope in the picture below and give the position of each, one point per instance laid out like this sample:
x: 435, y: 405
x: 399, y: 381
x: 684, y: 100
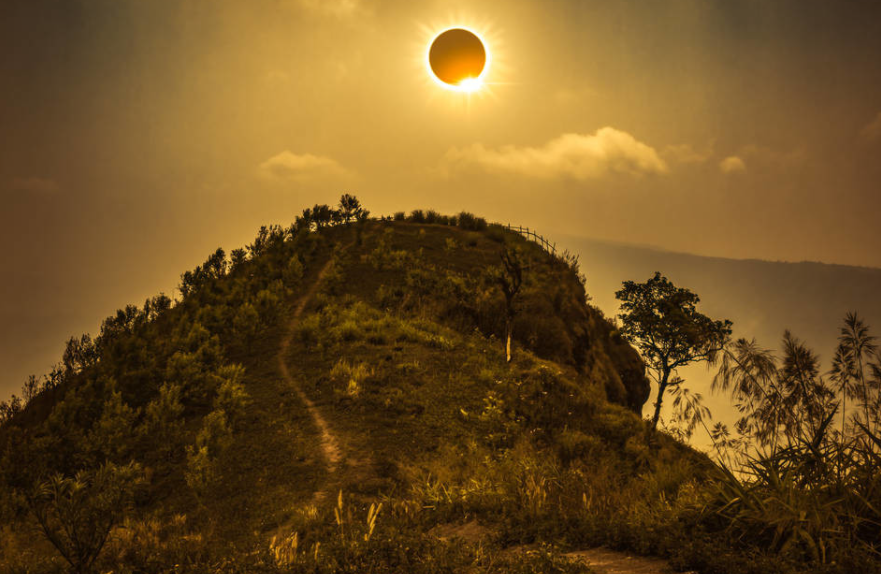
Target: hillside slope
x: 306, y: 380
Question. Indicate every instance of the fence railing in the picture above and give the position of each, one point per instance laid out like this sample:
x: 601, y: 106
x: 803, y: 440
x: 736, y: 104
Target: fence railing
x: 549, y: 247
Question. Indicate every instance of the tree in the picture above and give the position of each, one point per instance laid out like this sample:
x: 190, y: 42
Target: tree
x: 110, y: 438
x: 305, y: 220
x: 350, y: 207
x: 246, y: 324
x: 79, y: 354
x: 293, y: 272
x: 77, y: 514
x: 509, y: 278
x: 663, y: 322
x: 232, y: 399
x: 163, y: 421
x: 30, y: 389
x: 322, y: 215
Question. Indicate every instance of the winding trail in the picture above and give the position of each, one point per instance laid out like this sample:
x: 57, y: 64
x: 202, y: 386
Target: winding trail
x: 330, y: 444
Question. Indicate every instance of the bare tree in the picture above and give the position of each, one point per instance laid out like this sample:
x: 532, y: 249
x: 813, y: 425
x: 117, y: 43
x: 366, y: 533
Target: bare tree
x: 509, y: 278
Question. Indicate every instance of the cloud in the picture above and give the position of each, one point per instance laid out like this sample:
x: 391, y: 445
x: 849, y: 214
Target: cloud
x: 35, y: 185
x: 291, y: 166
x: 872, y: 130
x: 577, y: 156
x: 731, y: 165
x: 685, y: 153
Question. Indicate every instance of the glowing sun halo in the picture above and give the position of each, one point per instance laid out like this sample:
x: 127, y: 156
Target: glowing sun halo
x: 458, y: 60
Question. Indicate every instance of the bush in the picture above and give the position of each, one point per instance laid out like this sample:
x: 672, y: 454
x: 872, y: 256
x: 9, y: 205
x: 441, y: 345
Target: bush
x: 352, y: 375
x: 77, y: 514
x: 496, y: 233
x: 471, y: 222
x: 573, y: 444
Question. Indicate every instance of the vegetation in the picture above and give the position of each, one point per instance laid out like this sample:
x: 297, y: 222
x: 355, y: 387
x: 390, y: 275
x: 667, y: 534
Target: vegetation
x: 792, y: 482
x: 664, y: 323
x: 184, y: 438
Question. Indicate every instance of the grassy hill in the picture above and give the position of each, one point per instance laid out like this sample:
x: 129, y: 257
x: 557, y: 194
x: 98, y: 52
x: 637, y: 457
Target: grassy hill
x: 337, y: 399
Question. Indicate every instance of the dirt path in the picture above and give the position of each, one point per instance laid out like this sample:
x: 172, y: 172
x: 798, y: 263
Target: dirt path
x: 600, y: 560
x: 330, y: 445
x: 606, y: 561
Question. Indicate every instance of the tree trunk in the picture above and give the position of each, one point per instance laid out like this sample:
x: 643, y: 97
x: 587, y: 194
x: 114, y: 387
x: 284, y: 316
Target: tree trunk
x: 509, y: 328
x: 662, y: 386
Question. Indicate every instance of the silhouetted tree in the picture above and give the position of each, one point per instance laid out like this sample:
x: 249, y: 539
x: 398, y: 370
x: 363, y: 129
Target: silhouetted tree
x: 79, y: 354
x: 9, y: 409
x: 30, y: 389
x: 238, y: 256
x: 322, y: 215
x: 663, y: 322
x: 350, y: 207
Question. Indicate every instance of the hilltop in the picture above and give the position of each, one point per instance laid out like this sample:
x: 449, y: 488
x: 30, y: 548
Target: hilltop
x: 337, y: 397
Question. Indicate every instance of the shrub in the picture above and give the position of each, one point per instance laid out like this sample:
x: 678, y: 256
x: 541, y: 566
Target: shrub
x: 471, y: 222
x: 573, y: 444
x: 496, y: 233
x: 293, y: 273
x: 153, y: 545
x: 352, y: 375
x: 77, y: 514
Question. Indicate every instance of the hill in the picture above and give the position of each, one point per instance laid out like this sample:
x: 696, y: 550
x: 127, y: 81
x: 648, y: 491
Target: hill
x: 336, y: 398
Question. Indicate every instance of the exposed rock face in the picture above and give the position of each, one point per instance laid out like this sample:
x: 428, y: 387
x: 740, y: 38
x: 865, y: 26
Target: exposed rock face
x: 631, y: 370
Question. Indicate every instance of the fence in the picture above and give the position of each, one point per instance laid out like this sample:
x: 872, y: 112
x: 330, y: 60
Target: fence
x: 549, y: 247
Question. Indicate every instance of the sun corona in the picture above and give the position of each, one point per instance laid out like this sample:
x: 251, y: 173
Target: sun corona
x: 458, y: 59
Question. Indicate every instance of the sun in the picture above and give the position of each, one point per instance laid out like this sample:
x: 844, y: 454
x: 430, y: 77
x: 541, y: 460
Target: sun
x: 458, y: 59
x: 461, y: 55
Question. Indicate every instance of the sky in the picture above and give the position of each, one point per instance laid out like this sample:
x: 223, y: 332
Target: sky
x: 137, y: 137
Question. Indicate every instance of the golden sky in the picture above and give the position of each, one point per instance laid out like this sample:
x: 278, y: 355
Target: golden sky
x: 137, y: 136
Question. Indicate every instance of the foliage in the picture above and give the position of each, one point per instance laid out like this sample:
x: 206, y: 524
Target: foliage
x: 76, y: 514
x: 793, y: 482
x: 662, y: 320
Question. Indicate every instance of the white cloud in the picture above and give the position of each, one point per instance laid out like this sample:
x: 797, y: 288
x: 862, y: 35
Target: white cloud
x: 35, y: 185
x: 731, y: 165
x: 291, y: 166
x: 582, y: 157
x: 872, y: 130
